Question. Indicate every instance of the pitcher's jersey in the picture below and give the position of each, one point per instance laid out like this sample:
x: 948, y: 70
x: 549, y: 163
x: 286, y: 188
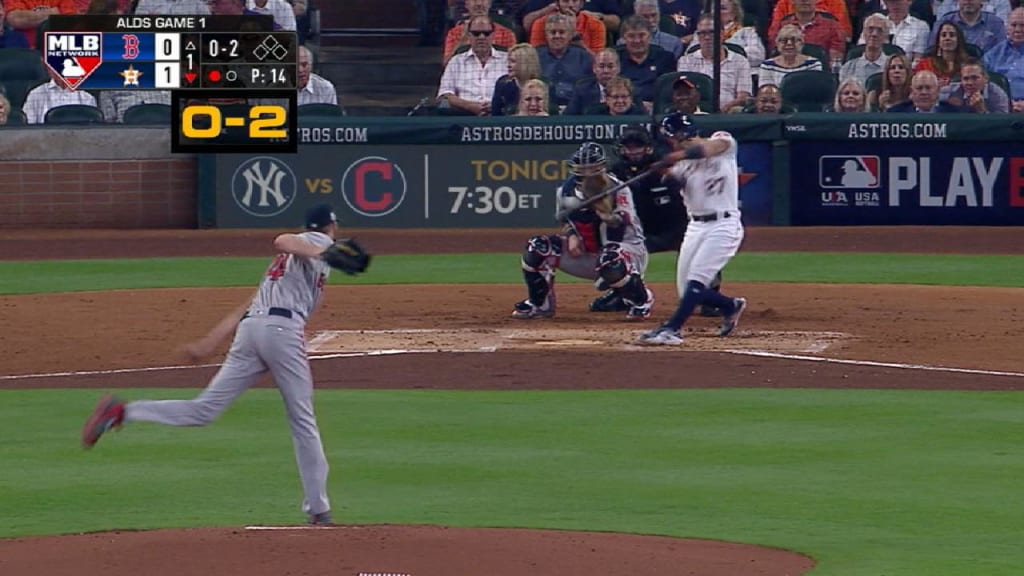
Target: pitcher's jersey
x: 712, y: 183
x: 594, y: 232
x: 294, y: 282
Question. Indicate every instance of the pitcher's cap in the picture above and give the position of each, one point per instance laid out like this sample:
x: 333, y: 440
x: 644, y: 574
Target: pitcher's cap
x: 320, y: 216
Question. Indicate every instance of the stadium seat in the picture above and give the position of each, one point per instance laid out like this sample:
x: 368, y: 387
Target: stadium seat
x: 73, y: 114
x: 815, y: 51
x: 734, y: 47
x: 858, y: 51
x: 1001, y: 81
x: 873, y: 82
x: 663, y: 90
x: 808, y: 90
x: 21, y: 70
x: 16, y: 118
x: 321, y: 110
x: 157, y: 114
x: 973, y: 50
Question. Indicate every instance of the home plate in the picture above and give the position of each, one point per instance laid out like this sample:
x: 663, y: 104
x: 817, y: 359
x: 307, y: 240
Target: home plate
x: 569, y: 342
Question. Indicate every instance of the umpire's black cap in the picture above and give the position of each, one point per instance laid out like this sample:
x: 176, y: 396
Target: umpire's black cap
x: 320, y: 216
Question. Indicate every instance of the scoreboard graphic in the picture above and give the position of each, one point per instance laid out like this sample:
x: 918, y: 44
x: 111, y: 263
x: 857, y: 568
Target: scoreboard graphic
x: 143, y: 53
x: 211, y: 64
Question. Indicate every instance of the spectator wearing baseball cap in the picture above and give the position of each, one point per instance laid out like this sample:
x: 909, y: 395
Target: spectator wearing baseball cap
x: 685, y: 97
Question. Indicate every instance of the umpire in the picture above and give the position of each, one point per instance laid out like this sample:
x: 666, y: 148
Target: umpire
x: 659, y: 205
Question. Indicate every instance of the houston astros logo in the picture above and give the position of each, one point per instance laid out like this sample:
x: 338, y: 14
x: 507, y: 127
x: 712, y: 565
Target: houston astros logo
x: 74, y: 56
x: 263, y: 186
x: 373, y: 186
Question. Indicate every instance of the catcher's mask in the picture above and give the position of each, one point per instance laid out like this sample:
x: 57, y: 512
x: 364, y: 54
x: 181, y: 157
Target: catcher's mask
x: 636, y: 138
x: 678, y: 126
x: 588, y: 160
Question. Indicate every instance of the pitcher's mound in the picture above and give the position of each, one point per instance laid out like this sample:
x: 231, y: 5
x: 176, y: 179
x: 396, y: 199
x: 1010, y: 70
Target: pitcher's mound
x: 393, y: 550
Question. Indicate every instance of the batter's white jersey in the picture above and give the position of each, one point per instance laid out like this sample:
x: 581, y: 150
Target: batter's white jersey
x: 712, y: 184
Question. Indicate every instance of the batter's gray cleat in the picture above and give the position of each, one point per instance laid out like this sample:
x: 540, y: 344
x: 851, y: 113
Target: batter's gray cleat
x: 109, y: 413
x: 661, y: 336
x: 526, y: 310
x: 610, y: 301
x: 730, y: 322
x: 321, y: 519
x: 641, y: 312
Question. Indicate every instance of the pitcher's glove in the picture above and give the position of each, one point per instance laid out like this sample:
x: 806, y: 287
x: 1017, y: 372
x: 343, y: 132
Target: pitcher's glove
x: 347, y: 255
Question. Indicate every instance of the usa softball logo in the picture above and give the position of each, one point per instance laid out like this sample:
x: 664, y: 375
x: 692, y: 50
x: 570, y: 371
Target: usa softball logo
x: 849, y: 172
x: 373, y: 186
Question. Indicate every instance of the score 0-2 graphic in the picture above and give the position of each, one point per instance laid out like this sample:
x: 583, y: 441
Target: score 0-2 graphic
x: 220, y: 121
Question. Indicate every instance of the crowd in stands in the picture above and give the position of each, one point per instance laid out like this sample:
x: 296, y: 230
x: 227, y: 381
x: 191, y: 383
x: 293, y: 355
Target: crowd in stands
x: 627, y: 57
x: 32, y: 93
x: 774, y: 56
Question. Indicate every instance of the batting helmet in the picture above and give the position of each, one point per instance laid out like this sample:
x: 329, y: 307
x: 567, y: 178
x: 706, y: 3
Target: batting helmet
x: 589, y: 159
x: 679, y: 126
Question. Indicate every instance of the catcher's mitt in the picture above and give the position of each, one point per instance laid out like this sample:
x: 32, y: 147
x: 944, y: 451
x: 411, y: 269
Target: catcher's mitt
x: 595, y: 185
x: 347, y: 255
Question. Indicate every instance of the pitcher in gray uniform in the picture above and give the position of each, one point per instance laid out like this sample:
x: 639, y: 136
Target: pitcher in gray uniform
x: 269, y: 336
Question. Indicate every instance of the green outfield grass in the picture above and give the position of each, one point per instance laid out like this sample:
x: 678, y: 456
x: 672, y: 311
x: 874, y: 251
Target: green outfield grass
x: 868, y: 483
x: 844, y: 268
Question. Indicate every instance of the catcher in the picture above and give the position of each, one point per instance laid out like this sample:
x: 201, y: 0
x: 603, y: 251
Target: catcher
x: 268, y: 331
x: 603, y: 242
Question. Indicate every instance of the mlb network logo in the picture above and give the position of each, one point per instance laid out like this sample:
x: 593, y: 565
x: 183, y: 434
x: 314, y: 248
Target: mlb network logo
x: 74, y: 55
x: 848, y: 172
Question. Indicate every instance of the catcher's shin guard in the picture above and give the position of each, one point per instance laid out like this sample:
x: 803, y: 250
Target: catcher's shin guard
x: 610, y: 301
x: 539, y: 276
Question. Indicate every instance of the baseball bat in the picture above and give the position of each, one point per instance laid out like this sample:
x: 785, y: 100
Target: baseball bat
x: 656, y: 167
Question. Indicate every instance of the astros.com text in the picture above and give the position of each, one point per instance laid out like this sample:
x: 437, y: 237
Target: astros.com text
x: 338, y: 135
x: 897, y: 130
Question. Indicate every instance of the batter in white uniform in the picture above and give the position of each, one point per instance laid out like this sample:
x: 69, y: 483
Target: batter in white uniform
x: 709, y: 171
x: 269, y: 337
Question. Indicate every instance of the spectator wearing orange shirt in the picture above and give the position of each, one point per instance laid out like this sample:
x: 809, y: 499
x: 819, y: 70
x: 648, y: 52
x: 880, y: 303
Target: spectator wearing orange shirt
x: 26, y: 15
x: 457, y: 35
x: 836, y: 8
x: 591, y: 32
x: 818, y: 29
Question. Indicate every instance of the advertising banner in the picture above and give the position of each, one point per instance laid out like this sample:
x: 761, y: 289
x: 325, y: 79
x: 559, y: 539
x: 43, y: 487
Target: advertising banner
x: 497, y: 186
x: 860, y: 183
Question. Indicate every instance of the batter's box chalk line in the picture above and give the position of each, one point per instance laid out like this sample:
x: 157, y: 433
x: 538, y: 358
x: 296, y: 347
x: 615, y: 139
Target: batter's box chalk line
x: 329, y: 344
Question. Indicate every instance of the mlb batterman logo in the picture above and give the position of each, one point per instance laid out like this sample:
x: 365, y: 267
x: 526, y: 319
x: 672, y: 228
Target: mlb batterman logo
x: 74, y: 56
x: 373, y: 186
x: 263, y: 186
x: 848, y: 172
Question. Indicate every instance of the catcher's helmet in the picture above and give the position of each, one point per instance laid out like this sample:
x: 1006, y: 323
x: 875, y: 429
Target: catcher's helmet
x: 678, y: 126
x: 588, y: 160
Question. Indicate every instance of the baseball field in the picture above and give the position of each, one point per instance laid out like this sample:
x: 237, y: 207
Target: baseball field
x: 864, y: 420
